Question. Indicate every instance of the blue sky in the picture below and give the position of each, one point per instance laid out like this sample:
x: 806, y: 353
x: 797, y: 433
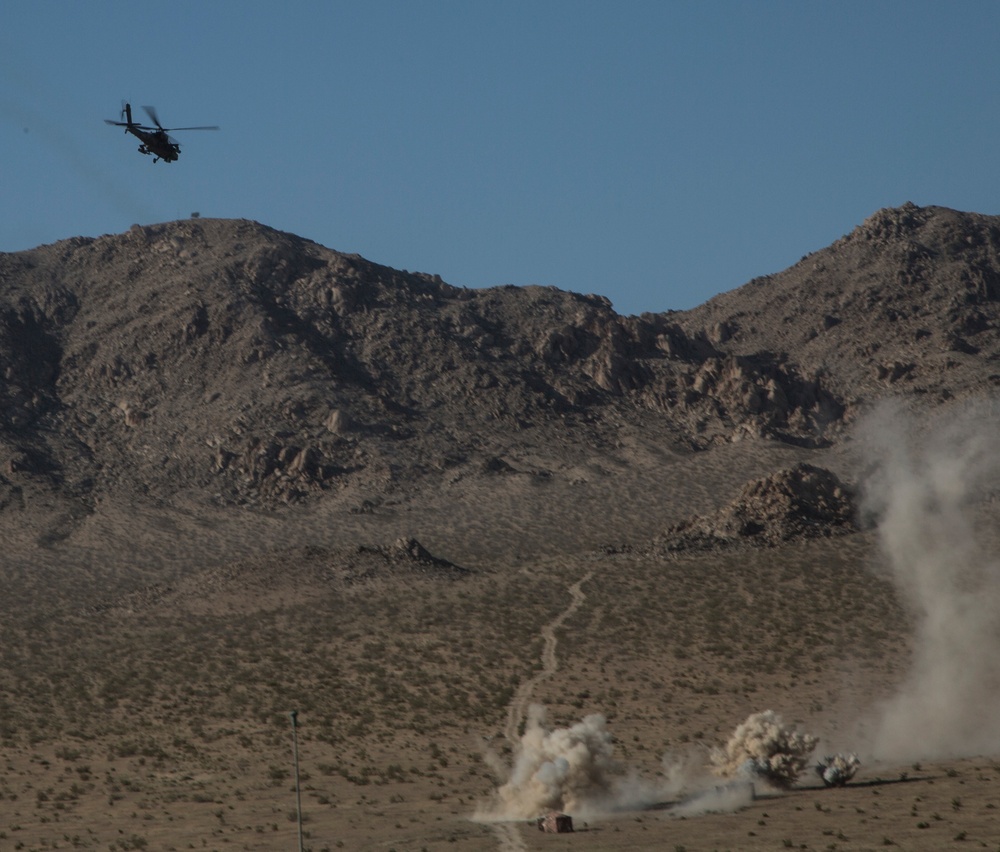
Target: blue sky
x: 656, y: 153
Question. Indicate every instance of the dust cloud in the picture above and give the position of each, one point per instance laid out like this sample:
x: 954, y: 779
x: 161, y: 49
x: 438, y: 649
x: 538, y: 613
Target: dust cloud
x: 927, y: 481
x: 574, y: 770
x: 570, y: 769
x: 837, y: 769
x: 764, y: 747
x: 725, y: 799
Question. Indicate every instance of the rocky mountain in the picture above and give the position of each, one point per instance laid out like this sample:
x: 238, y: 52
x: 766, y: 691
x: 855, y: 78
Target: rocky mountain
x: 238, y: 366
x: 907, y: 303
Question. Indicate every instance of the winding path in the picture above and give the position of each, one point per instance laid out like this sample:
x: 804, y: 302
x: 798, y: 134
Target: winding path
x: 507, y: 834
x: 550, y: 662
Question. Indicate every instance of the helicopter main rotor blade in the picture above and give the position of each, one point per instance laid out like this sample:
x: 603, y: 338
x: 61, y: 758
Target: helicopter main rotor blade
x: 151, y: 112
x: 212, y: 127
x: 126, y: 125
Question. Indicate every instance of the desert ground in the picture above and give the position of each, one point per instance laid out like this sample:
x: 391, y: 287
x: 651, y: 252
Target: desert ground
x: 159, y: 718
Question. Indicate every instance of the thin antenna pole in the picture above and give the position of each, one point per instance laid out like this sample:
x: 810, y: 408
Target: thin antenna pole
x: 298, y: 789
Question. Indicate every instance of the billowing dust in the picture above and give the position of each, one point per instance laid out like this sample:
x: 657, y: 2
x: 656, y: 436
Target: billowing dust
x: 929, y: 480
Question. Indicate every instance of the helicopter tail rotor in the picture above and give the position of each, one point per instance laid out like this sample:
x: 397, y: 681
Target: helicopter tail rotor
x: 126, y: 114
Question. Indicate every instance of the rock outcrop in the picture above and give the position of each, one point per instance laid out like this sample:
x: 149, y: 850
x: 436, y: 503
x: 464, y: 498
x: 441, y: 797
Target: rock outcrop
x: 801, y: 502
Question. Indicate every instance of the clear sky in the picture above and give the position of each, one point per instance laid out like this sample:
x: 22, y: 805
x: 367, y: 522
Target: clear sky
x: 656, y: 153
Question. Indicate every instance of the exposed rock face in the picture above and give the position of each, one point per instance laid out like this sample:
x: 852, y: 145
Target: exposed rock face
x: 802, y: 502
x: 751, y: 396
x: 405, y: 553
x: 260, y: 369
x: 907, y: 303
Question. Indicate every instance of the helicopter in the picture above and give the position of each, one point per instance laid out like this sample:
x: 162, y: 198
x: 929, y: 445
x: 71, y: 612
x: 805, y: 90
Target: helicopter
x: 155, y: 140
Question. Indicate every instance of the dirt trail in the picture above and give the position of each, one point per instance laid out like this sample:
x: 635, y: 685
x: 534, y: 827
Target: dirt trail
x: 550, y: 662
x: 507, y: 834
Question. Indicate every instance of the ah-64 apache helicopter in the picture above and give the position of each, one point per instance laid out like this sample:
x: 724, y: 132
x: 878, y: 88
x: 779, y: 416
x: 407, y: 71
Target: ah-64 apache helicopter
x: 155, y: 140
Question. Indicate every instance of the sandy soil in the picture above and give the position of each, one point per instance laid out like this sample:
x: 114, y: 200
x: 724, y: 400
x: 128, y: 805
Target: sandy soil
x: 673, y: 653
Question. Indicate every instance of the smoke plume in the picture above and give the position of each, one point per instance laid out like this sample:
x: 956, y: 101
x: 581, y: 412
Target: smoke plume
x: 837, y: 769
x: 558, y: 769
x: 574, y: 770
x: 764, y: 747
x: 928, y: 480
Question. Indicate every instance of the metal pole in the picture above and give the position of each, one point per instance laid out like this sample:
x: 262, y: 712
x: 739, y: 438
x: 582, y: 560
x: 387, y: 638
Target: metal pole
x: 298, y: 789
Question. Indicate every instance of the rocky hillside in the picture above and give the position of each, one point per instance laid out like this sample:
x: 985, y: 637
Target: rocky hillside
x: 801, y: 502
x: 256, y: 368
x: 907, y: 303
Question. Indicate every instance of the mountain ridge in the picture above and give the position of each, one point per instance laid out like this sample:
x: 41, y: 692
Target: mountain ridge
x: 242, y: 366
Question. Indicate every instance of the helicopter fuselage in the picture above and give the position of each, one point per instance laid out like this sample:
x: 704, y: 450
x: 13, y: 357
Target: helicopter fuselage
x: 156, y: 143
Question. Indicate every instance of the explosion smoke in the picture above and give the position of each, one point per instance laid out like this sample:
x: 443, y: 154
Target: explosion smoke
x: 922, y: 496
x: 836, y: 770
x: 557, y: 769
x: 573, y: 770
x: 764, y: 747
